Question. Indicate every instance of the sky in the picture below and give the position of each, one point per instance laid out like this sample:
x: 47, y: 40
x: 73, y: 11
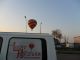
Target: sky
x: 54, y: 14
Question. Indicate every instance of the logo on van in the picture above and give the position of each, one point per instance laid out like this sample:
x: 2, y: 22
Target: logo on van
x: 31, y: 46
x: 26, y: 51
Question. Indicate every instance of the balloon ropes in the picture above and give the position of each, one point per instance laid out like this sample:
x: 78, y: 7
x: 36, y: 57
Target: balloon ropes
x: 32, y: 23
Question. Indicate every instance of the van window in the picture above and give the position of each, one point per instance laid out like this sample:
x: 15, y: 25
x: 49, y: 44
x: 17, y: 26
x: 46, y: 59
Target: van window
x: 27, y: 49
x: 1, y: 40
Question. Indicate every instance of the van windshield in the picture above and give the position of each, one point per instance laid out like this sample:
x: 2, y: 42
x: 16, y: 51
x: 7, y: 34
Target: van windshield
x: 27, y: 49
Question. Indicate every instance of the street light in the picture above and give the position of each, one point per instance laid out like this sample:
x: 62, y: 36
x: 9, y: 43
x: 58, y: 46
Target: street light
x: 40, y: 27
x: 26, y: 23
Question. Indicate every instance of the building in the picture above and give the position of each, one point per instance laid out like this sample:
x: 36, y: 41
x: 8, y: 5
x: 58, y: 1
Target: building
x: 77, y: 39
x: 77, y: 42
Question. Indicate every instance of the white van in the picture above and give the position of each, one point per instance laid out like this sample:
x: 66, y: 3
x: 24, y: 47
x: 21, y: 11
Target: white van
x: 26, y: 46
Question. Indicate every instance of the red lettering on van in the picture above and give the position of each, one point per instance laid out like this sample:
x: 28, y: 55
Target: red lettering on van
x: 22, y: 52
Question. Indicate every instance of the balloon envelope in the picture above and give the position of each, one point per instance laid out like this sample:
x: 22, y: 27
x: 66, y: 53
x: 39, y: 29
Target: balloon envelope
x: 32, y: 23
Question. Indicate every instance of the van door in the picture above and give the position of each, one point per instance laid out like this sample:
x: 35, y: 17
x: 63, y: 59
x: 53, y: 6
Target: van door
x: 27, y: 49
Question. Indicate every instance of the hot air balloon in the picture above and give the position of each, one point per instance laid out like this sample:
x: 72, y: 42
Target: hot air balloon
x: 32, y: 23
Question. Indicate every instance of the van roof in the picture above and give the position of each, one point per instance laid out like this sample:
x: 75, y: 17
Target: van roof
x: 24, y: 33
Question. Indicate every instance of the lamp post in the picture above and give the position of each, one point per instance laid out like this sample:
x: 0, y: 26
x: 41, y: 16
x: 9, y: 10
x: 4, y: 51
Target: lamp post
x: 40, y: 27
x: 26, y: 23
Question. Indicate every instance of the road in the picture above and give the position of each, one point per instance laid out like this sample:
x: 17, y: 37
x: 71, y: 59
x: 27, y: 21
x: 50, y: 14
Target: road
x: 68, y: 55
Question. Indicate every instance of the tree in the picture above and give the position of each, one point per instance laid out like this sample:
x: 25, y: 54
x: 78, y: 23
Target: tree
x: 57, y: 34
